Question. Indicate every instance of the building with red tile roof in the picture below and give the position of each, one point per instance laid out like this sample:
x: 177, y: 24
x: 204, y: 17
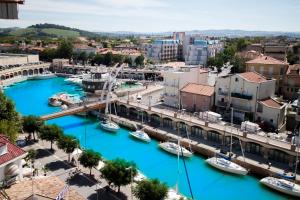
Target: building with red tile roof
x: 10, y: 159
x: 270, y: 68
x: 244, y: 93
x: 197, y: 97
x: 253, y: 77
x: 291, y: 82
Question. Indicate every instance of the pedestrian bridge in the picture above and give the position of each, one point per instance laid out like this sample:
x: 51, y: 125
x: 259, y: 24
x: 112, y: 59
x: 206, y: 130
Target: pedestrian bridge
x: 75, y: 110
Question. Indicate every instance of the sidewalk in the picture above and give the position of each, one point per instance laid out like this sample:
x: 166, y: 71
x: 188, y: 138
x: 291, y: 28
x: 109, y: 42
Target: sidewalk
x: 87, y: 186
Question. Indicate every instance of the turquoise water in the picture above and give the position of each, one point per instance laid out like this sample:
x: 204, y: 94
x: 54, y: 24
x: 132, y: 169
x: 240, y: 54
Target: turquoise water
x: 207, y: 183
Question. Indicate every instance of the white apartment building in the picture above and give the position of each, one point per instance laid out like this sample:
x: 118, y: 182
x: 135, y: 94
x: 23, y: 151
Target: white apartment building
x: 251, y: 97
x: 164, y: 50
x: 197, y: 50
x: 174, y: 81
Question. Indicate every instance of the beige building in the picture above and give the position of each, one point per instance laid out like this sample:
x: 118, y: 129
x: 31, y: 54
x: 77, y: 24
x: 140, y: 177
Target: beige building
x: 197, y: 97
x: 175, y: 80
x: 245, y: 93
x: 291, y: 82
x: 270, y: 68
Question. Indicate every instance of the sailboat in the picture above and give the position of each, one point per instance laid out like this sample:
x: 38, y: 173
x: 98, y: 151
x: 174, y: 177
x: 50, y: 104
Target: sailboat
x: 224, y: 163
x: 140, y: 134
x: 107, y: 124
x: 285, y: 184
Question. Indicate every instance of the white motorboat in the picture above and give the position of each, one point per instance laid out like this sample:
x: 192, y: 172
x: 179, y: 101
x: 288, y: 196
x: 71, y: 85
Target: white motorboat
x: 45, y: 75
x: 141, y: 135
x: 175, y: 149
x: 64, y: 107
x: 226, y: 165
x: 173, y: 195
x: 282, y: 185
x: 109, y: 126
x: 54, y: 101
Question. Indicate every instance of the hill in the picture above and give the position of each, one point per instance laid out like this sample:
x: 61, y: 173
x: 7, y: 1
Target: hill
x: 46, y: 30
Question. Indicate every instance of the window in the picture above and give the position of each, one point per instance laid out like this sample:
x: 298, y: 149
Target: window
x: 287, y: 89
x: 236, y: 80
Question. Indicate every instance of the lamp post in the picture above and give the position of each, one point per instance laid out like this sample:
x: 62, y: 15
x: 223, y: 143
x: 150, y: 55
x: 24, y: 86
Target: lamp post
x: 130, y: 168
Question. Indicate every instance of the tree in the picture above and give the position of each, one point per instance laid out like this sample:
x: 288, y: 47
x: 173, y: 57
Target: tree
x: 108, y: 59
x: 89, y: 159
x: 65, y: 49
x: 139, y: 61
x: 31, y: 155
x: 128, y: 60
x: 83, y: 57
x: 10, y: 121
x: 32, y: 124
x: 51, y: 133
x: 150, y: 189
x: 238, y: 65
x: 98, y: 59
x: 119, y: 172
x: 68, y: 144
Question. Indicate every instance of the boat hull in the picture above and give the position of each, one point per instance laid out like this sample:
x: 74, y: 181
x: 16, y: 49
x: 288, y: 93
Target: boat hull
x: 136, y: 136
x: 175, y: 152
x: 232, y: 168
x: 109, y: 128
x: 268, y: 181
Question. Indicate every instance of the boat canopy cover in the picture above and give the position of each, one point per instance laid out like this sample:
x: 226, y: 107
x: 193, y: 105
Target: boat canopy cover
x: 288, y: 177
x: 223, y: 156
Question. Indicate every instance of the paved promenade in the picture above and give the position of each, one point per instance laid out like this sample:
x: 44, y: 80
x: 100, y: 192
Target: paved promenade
x: 82, y: 182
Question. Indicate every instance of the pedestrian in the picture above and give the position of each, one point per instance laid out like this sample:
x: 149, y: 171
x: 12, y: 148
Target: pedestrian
x: 269, y: 165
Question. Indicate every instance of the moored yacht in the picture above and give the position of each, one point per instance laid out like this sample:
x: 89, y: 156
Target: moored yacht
x: 226, y: 165
x: 141, y: 135
x: 175, y: 149
x: 109, y: 126
x: 282, y: 185
x: 45, y: 75
x: 54, y: 101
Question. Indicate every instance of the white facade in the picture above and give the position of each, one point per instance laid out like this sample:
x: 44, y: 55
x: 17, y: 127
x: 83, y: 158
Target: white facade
x: 174, y: 81
x: 196, y: 55
x: 241, y: 94
x: 163, y: 50
x: 197, y: 50
x: 14, y: 59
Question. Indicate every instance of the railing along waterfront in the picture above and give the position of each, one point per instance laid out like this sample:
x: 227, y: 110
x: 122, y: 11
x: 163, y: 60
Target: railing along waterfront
x: 221, y: 127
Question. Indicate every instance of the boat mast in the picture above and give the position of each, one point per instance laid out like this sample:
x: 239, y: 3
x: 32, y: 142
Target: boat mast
x: 231, y: 133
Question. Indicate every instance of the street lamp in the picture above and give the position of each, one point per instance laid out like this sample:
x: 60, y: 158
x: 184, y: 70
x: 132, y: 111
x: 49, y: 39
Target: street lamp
x: 130, y: 168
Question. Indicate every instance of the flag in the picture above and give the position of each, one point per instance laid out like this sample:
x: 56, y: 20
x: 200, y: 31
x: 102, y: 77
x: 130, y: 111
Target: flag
x: 62, y: 193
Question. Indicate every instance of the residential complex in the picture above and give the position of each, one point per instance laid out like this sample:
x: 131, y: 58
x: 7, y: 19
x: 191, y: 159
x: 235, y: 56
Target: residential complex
x: 194, y: 50
x: 175, y: 80
x: 250, y: 95
x: 197, y: 97
x: 270, y: 68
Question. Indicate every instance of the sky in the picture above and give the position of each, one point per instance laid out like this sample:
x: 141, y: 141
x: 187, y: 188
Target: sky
x: 161, y: 15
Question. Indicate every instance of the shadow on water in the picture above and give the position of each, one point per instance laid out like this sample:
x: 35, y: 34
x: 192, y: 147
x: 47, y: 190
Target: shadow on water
x: 79, y: 124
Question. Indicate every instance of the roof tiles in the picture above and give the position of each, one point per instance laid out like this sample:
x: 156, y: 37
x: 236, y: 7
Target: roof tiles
x: 199, y: 89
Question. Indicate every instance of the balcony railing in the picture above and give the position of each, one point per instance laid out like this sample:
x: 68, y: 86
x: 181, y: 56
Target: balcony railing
x: 244, y: 108
x: 241, y: 96
x: 221, y: 92
x: 222, y: 103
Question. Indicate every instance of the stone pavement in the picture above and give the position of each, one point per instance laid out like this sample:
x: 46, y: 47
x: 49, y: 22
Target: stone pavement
x: 86, y: 185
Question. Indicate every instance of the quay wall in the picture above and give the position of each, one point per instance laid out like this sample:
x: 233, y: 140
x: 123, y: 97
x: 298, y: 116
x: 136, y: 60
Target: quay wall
x: 255, y: 167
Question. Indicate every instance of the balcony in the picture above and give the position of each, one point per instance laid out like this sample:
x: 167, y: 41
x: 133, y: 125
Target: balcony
x: 243, y: 108
x: 222, y: 104
x: 241, y: 96
x: 224, y: 93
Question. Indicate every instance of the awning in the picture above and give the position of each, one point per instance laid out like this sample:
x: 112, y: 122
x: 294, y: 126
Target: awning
x: 76, y: 152
x: 11, y: 170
